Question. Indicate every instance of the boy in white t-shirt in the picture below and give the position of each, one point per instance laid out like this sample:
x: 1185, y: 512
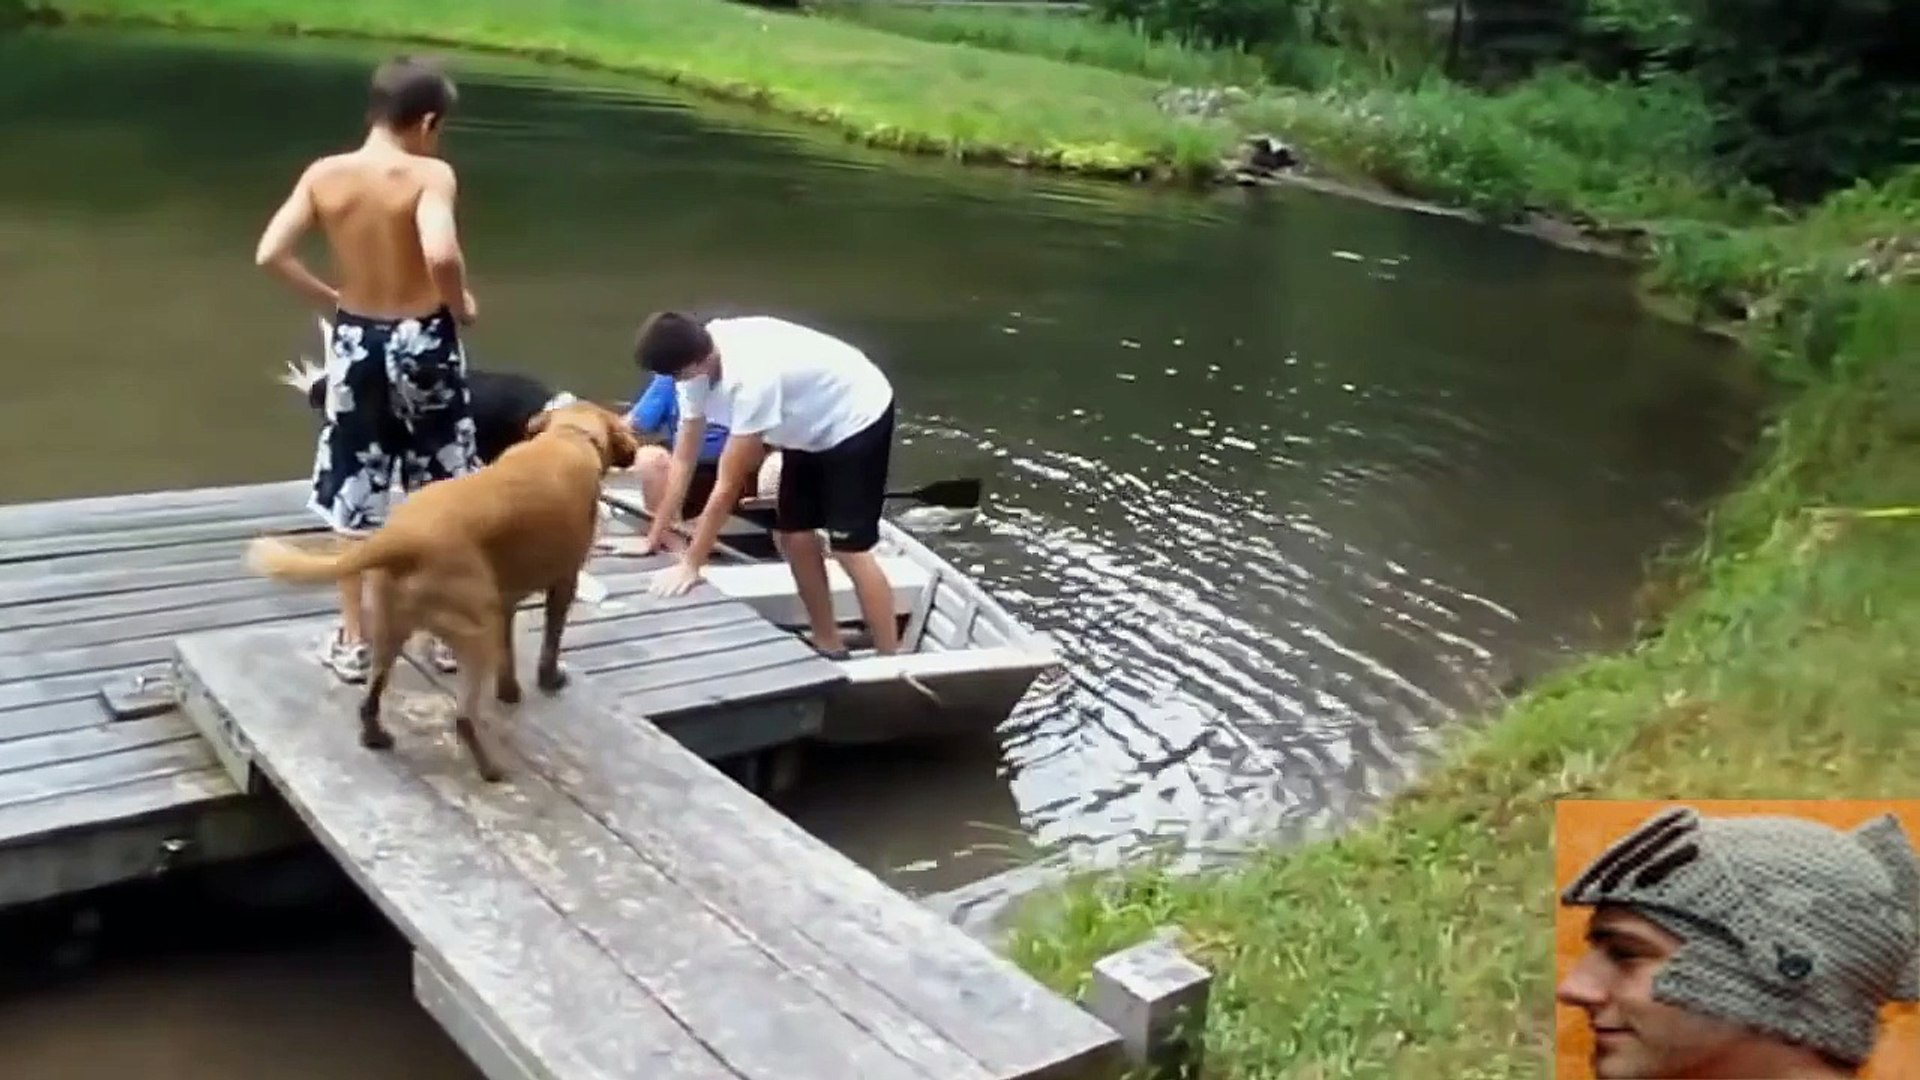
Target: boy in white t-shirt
x: 829, y: 411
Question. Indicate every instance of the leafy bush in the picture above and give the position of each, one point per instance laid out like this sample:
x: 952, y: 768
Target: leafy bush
x: 1808, y: 97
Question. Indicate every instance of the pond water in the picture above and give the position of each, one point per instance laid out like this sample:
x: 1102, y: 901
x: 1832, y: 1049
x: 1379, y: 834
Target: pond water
x: 1293, y: 481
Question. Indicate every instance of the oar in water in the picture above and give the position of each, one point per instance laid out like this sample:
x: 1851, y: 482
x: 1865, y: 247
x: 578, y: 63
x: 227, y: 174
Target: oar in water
x: 1868, y: 512
x: 962, y: 493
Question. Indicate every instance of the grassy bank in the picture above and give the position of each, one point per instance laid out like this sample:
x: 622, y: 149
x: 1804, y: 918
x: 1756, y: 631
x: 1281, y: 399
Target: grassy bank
x: 1607, y: 155
x: 878, y: 88
x: 998, y: 87
x: 1418, y: 945
x: 1068, y: 37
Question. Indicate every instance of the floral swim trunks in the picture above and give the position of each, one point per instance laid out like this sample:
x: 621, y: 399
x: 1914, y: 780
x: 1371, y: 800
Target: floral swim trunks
x: 397, y: 402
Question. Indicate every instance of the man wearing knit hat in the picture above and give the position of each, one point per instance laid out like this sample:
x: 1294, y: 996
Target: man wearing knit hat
x: 1758, y: 948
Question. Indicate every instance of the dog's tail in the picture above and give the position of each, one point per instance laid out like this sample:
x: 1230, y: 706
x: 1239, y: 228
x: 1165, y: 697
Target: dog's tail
x: 274, y: 557
x: 309, y: 378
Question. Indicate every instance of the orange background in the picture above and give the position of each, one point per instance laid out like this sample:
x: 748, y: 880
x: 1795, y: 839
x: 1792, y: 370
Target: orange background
x: 1582, y: 829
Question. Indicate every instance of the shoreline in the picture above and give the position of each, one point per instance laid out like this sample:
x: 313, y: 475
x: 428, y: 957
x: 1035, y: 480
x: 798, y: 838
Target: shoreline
x: 1118, y: 162
x: 1560, y: 231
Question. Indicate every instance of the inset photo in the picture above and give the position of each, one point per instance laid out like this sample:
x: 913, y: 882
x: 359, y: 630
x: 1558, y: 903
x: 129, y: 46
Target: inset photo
x: 1749, y: 939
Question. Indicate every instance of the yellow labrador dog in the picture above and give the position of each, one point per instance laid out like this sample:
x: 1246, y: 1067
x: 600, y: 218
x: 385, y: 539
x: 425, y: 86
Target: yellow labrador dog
x: 458, y: 556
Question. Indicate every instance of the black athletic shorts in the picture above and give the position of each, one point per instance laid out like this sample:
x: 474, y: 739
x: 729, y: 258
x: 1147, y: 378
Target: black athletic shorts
x: 699, y: 486
x: 842, y: 489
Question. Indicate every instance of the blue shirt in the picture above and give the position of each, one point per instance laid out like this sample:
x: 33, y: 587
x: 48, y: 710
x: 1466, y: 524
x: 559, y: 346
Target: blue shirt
x: 658, y: 413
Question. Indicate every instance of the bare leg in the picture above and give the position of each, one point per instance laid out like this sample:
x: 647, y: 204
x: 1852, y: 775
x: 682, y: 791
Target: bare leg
x: 768, y: 484
x: 807, y: 558
x: 507, y: 686
x: 352, y: 614
x: 390, y: 631
x: 549, y: 675
x: 651, y: 467
x: 871, y: 588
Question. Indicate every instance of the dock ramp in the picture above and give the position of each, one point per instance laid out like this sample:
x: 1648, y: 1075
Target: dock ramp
x: 616, y: 907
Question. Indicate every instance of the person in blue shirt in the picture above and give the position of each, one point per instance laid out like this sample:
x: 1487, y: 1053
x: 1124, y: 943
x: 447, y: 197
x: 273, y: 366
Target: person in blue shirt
x: 657, y: 413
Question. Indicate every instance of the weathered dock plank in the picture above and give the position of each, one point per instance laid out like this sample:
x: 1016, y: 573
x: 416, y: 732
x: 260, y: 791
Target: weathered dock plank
x: 113, y: 513
x: 91, y: 741
x: 126, y: 561
x: 737, y: 998
x: 807, y: 902
x: 155, y: 825
x: 721, y: 926
x: 554, y: 995
x: 192, y: 780
x: 70, y: 545
x: 69, y: 584
x: 102, y: 772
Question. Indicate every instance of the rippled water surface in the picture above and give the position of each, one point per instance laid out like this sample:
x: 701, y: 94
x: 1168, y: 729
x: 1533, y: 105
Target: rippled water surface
x: 1291, y: 480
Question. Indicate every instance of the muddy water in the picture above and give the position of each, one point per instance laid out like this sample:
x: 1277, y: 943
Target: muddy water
x: 1292, y: 481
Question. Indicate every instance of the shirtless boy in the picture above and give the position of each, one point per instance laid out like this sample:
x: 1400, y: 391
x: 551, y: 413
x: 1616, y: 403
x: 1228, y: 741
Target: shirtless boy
x: 396, y: 375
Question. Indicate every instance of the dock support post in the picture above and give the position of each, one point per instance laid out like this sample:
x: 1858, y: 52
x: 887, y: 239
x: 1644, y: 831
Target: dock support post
x: 1156, y: 998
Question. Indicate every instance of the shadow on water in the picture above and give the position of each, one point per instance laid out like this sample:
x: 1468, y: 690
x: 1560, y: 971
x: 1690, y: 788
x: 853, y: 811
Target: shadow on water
x: 1291, y: 480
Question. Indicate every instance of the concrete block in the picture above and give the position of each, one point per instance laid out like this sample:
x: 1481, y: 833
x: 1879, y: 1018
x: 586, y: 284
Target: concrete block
x: 1156, y: 998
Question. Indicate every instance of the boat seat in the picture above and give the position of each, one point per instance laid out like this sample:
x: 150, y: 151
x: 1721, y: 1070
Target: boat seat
x: 768, y: 588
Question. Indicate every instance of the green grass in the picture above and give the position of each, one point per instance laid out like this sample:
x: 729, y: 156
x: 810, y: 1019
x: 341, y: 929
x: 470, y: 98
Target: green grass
x: 1563, y: 144
x: 997, y: 87
x: 1070, y: 37
x: 876, y: 87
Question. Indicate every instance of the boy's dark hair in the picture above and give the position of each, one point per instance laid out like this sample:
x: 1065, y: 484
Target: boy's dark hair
x: 407, y: 88
x: 669, y: 342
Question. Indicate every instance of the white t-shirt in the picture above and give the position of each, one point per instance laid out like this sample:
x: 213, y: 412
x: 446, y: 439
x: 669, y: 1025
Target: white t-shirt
x: 799, y: 388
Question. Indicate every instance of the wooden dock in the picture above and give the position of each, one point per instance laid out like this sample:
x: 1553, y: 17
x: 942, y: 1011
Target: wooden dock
x: 615, y: 908
x: 102, y: 780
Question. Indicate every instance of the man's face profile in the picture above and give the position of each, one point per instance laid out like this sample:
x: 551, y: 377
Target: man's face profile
x: 1634, y: 1036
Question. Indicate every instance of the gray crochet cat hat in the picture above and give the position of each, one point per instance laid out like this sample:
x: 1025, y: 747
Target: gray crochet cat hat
x: 1787, y: 926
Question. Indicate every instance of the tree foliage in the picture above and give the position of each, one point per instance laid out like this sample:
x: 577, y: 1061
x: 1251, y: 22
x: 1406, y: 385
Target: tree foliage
x: 1807, y: 95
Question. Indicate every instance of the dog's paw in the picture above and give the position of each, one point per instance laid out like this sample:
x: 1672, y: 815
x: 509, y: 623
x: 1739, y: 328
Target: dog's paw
x: 376, y: 738
x: 508, y: 691
x: 469, y: 733
x: 553, y: 681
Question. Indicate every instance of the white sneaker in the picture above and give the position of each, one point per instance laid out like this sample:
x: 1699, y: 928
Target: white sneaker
x: 441, y: 657
x: 348, y: 661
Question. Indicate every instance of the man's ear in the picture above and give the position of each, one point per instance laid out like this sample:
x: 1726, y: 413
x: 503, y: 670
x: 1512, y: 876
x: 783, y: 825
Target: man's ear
x: 539, y: 422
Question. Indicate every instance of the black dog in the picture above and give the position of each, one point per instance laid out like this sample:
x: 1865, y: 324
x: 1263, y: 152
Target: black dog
x: 503, y: 403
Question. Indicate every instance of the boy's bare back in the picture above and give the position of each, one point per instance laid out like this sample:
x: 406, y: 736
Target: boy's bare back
x: 386, y: 209
x: 368, y: 202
